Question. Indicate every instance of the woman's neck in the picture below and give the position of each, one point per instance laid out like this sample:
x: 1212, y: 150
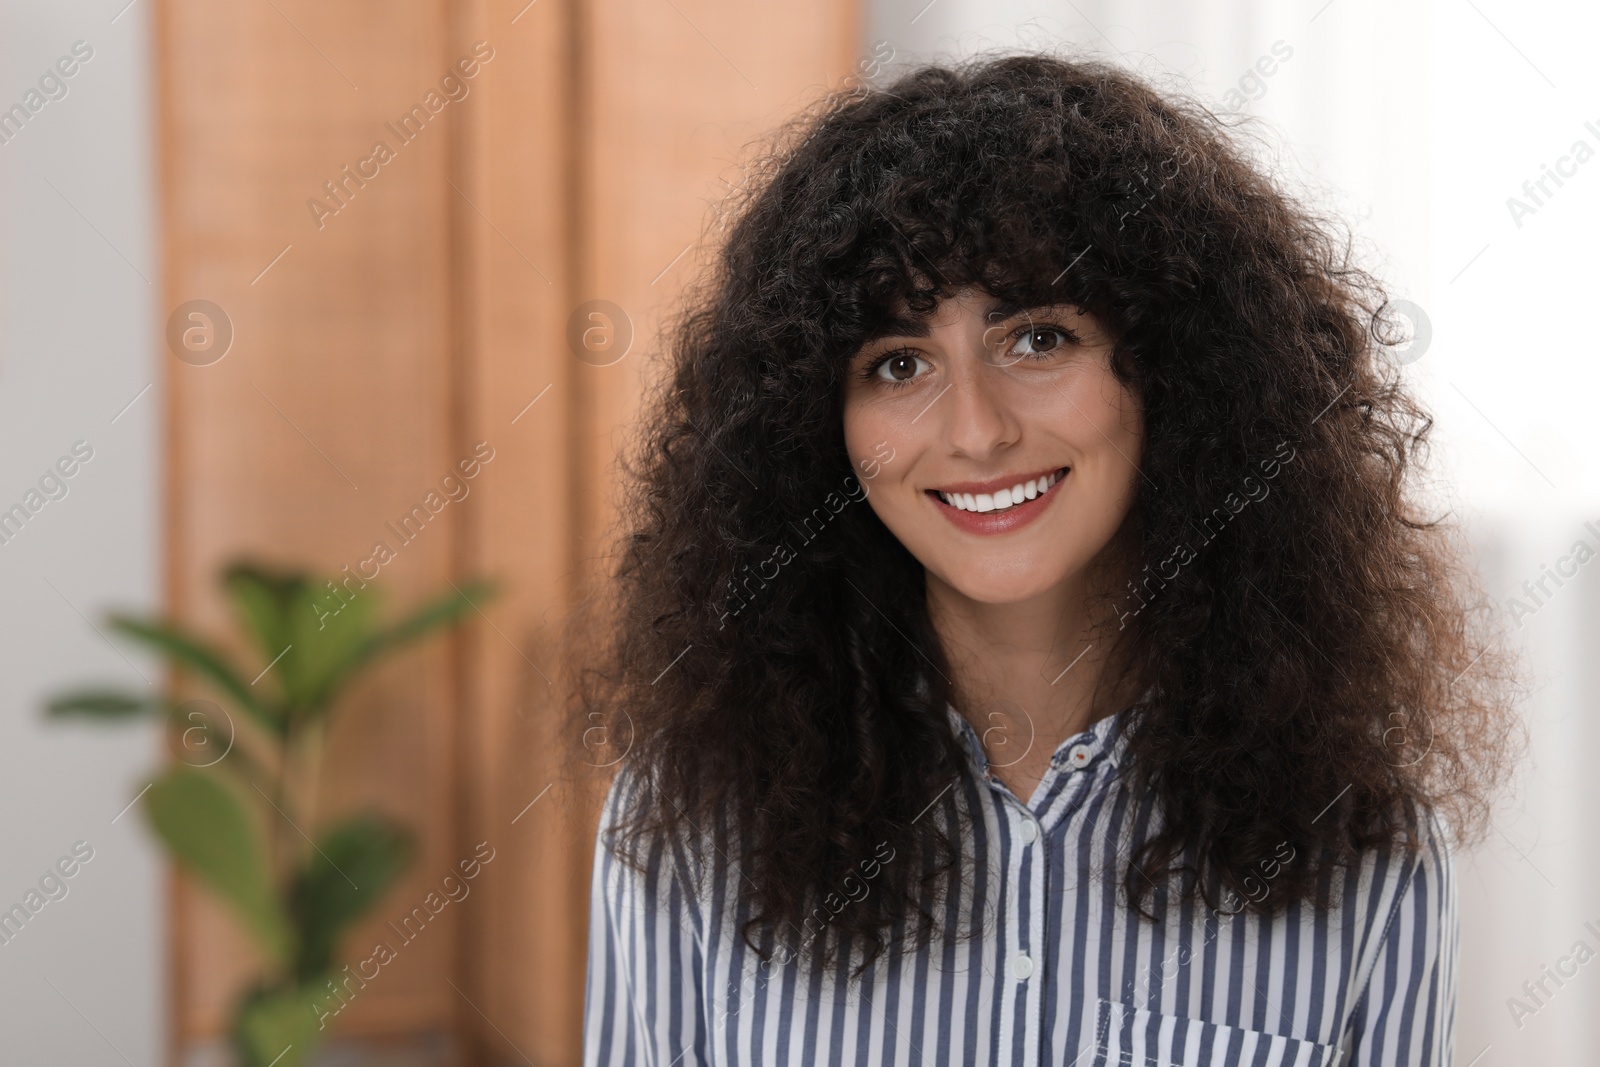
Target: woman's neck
x: 1026, y: 674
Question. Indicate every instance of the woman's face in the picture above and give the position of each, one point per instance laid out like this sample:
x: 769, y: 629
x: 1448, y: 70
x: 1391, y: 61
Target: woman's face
x: 1014, y: 447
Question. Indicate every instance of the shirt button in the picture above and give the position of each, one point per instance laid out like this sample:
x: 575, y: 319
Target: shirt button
x: 1029, y: 831
x: 1022, y: 967
x: 1079, y: 755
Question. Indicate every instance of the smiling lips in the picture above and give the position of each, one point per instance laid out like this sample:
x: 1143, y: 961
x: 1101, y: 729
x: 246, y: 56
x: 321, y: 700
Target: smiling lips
x: 993, y: 507
x: 989, y: 497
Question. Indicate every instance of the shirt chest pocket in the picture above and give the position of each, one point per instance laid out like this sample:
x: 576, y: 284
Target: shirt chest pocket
x: 1134, y: 1037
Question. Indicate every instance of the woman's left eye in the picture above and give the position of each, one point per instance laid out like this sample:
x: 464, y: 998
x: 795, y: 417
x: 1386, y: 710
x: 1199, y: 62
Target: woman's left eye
x: 1039, y: 341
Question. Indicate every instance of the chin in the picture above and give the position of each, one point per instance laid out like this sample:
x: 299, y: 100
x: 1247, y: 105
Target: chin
x: 1001, y: 585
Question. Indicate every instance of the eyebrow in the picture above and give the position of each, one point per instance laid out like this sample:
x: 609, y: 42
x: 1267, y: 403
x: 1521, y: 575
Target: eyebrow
x: 917, y: 325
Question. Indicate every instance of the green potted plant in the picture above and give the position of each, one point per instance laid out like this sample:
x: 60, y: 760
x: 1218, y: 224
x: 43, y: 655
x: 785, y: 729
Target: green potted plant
x: 238, y: 807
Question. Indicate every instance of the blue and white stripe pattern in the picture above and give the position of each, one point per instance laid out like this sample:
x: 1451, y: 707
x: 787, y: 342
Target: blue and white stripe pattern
x: 1061, y: 974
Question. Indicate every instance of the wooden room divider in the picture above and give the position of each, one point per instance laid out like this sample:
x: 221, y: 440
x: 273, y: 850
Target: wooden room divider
x: 396, y: 209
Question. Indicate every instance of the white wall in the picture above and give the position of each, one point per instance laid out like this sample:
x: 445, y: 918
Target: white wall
x: 1416, y: 120
x: 82, y: 983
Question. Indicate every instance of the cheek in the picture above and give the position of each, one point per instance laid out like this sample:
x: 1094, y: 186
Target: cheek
x: 858, y: 433
x: 1125, y: 427
x: 1101, y: 422
x: 872, y: 434
x: 881, y: 454
x: 1103, y: 419
x: 1124, y: 453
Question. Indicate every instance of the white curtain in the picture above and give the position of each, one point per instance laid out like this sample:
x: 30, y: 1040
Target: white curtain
x: 1417, y: 122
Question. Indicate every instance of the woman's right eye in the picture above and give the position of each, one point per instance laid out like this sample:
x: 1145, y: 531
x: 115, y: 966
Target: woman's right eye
x: 897, y: 368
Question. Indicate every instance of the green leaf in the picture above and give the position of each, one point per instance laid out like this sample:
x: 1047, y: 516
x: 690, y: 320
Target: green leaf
x: 280, y: 1027
x: 328, y: 630
x: 201, y: 659
x: 441, y: 612
x: 263, y: 599
x: 437, y: 614
x: 357, y: 863
x: 210, y: 832
x: 101, y: 704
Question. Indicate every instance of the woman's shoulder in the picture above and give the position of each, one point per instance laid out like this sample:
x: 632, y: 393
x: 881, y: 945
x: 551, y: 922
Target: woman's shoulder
x: 629, y: 837
x: 1404, y: 900
x: 1420, y: 854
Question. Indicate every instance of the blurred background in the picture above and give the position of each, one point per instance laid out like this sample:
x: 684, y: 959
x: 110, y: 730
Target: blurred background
x: 248, y: 330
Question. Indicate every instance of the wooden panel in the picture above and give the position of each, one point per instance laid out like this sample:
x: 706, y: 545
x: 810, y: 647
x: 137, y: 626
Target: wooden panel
x: 377, y: 345
x: 678, y: 90
x: 516, y: 963
x: 325, y: 420
x: 658, y: 121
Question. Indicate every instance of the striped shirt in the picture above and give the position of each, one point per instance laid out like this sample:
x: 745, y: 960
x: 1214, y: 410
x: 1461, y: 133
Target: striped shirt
x: 1062, y: 973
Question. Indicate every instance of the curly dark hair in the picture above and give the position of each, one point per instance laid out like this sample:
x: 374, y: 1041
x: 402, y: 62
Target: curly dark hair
x: 1320, y: 666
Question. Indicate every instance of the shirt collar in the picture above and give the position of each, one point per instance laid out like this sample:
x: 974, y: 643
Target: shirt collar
x: 1106, y: 739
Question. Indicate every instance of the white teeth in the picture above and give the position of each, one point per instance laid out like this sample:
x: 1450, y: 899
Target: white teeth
x: 1004, y: 498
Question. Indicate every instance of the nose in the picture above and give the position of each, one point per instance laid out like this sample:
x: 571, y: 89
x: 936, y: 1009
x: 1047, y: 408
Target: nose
x: 978, y: 420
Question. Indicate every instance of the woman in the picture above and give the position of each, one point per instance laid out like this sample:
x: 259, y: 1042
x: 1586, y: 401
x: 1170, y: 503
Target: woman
x: 1030, y: 649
